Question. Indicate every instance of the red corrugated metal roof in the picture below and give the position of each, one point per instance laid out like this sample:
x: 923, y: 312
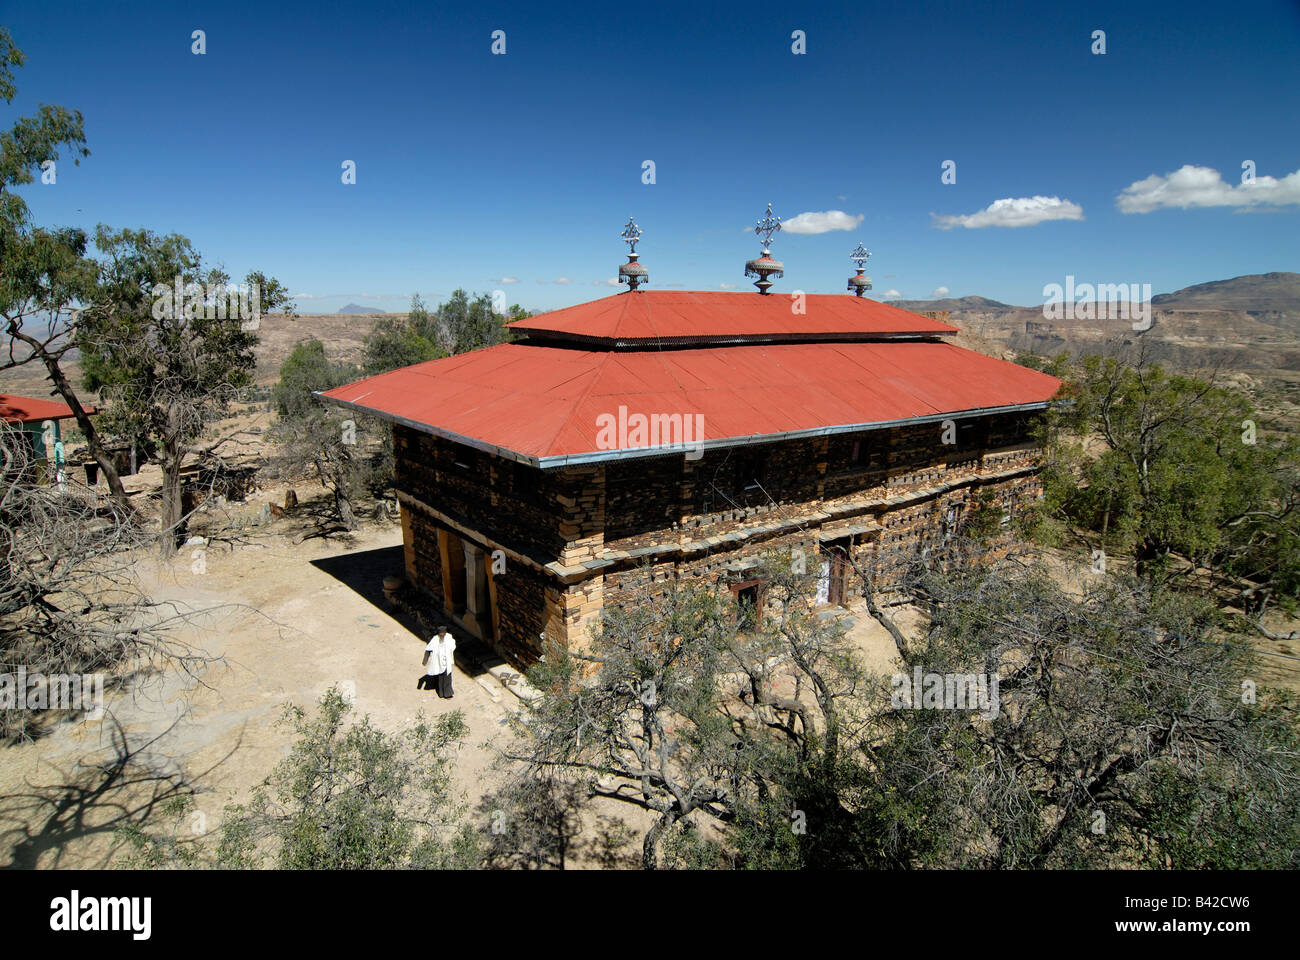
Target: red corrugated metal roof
x: 539, y: 402
x: 677, y: 315
x: 16, y: 409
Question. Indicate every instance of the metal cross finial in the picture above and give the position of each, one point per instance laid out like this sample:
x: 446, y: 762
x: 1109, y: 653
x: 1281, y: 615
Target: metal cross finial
x: 631, y: 234
x: 859, y: 256
x: 767, y: 226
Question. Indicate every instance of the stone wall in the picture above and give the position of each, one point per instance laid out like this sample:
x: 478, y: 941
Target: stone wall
x: 521, y: 598
x: 427, y: 573
x: 577, y: 538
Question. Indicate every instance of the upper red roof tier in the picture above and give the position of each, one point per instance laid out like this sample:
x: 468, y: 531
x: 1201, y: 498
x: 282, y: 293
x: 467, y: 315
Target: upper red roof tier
x: 674, y: 316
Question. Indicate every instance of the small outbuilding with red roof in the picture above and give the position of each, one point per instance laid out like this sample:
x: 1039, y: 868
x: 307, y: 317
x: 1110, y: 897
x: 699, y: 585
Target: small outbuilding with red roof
x: 39, y: 420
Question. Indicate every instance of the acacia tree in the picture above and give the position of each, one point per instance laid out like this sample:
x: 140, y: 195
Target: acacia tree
x: 347, y: 797
x: 687, y: 707
x: 396, y: 341
x: 1129, y: 733
x: 467, y: 323
x: 631, y: 720
x: 1186, y: 479
x: 331, y: 443
x: 166, y: 352
x: 44, y: 274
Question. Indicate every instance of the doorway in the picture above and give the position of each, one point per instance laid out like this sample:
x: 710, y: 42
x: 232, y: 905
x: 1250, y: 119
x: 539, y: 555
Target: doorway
x: 749, y: 603
x: 453, y: 571
x: 837, y: 587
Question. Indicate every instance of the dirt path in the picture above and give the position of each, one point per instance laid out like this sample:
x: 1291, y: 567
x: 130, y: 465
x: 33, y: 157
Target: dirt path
x: 289, y: 621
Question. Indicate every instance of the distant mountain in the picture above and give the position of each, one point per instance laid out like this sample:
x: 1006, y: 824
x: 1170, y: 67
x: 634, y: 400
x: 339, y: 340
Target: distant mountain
x: 357, y: 309
x: 1245, y: 327
x: 952, y: 303
x: 1255, y: 293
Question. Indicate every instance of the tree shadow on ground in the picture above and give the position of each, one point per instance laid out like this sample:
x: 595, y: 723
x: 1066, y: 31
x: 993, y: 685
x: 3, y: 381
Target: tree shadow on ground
x: 613, y: 845
x: 317, y: 517
x: 93, y: 799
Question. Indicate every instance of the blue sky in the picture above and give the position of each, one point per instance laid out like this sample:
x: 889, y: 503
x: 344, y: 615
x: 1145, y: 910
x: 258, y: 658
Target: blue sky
x: 473, y: 167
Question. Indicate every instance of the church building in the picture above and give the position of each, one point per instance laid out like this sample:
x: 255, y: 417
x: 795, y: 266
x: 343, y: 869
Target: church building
x: 647, y: 437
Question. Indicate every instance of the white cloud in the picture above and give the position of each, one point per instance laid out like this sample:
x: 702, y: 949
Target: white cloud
x: 563, y: 281
x: 1013, y: 212
x: 892, y: 294
x: 939, y: 293
x: 612, y: 282
x: 822, y: 222
x: 508, y: 280
x: 1190, y: 186
x: 726, y: 286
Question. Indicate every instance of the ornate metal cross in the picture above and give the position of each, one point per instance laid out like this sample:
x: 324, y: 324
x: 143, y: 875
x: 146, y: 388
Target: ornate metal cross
x: 767, y: 226
x: 859, y: 256
x: 631, y: 234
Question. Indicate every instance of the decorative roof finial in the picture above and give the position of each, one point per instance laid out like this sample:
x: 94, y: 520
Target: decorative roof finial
x: 765, y: 266
x: 766, y: 227
x: 858, y: 285
x: 632, y: 273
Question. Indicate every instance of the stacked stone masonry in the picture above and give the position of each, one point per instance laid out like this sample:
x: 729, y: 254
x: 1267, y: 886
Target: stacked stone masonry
x: 559, y: 544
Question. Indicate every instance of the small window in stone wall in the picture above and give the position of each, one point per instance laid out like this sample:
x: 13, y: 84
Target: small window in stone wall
x: 972, y: 433
x: 749, y: 470
x: 748, y: 477
x: 849, y: 455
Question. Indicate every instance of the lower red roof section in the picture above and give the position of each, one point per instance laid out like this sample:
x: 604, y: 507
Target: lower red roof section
x: 540, y: 402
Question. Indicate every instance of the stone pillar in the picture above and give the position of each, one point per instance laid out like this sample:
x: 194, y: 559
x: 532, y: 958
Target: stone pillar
x: 444, y: 555
x: 580, y: 606
x: 476, y: 609
x: 582, y: 514
x: 408, y: 546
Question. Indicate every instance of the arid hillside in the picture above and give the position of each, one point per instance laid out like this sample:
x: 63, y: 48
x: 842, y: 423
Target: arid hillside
x: 1248, y: 328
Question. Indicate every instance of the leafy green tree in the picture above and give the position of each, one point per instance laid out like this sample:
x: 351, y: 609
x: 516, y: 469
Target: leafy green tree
x: 393, y: 342
x: 1123, y: 735
x: 468, y: 323
x: 305, y: 371
x: 168, y: 361
x: 1178, y: 471
x: 421, y: 320
x: 616, y: 720
x: 1121, y: 732
x: 333, y: 444
x: 346, y: 798
x: 680, y: 710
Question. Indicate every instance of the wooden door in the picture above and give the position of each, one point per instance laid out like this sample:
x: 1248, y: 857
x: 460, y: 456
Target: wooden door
x: 839, y: 575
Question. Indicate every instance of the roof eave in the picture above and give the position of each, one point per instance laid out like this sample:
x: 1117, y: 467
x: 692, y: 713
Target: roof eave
x: 431, y: 429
